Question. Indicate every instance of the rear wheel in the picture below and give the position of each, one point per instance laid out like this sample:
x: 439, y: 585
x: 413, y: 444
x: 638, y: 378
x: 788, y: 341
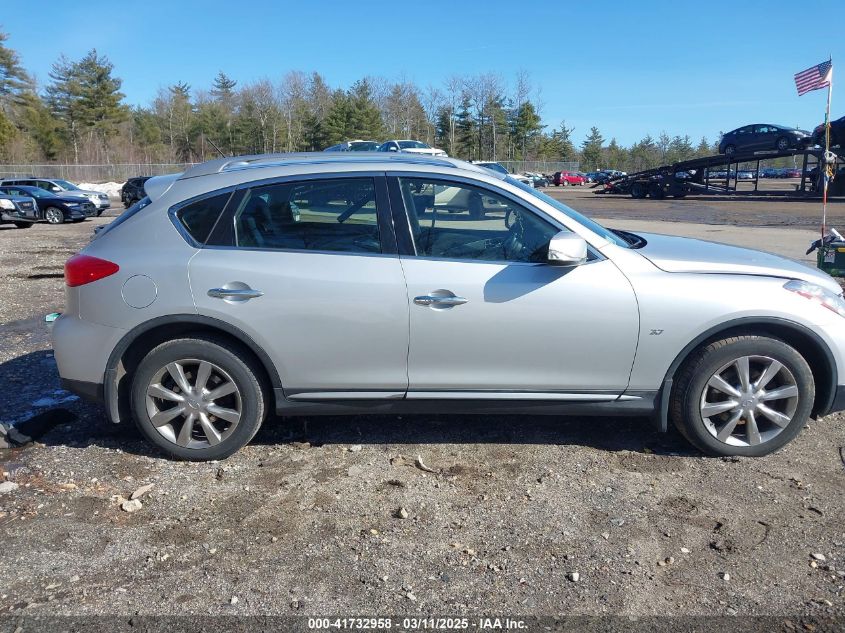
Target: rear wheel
x: 730, y: 150
x: 783, y: 144
x: 744, y: 395
x: 639, y: 190
x: 54, y: 215
x: 198, y: 398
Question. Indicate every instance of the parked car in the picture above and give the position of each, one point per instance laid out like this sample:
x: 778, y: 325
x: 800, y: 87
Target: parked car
x: 564, y: 178
x: 411, y: 147
x: 498, y: 167
x: 354, y: 146
x: 769, y: 172
x: 791, y: 172
x: 837, y: 133
x: 598, y: 176
x: 745, y: 174
x: 63, y: 188
x: 133, y: 190
x: 763, y: 136
x: 214, y: 305
x: 17, y: 210
x: 51, y: 208
x: 538, y: 180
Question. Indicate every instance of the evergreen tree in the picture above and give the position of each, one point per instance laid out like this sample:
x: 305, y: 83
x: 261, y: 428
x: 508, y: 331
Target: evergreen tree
x: 526, y: 127
x: 364, y: 114
x: 13, y: 78
x: 338, y: 126
x: 591, y: 149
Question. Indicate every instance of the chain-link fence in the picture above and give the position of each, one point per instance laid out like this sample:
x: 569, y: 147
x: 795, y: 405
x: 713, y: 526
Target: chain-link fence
x: 116, y: 172
x: 120, y: 172
x: 538, y: 166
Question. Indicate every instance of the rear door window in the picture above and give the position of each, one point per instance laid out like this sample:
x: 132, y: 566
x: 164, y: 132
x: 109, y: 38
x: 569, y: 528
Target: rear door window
x: 332, y: 215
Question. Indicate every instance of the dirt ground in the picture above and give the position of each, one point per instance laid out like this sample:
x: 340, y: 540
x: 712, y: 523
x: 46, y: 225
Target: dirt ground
x: 308, y: 519
x: 736, y: 210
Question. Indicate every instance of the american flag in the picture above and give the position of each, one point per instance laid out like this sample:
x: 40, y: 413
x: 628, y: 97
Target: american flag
x: 813, y: 78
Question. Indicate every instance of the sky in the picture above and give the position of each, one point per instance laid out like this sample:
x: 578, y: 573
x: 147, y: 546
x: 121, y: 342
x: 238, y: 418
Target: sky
x: 630, y: 68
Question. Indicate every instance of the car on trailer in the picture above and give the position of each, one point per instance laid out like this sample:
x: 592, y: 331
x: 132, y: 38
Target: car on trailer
x: 762, y: 137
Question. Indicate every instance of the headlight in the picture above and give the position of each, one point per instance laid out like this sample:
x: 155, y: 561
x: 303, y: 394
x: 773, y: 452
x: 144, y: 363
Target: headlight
x: 831, y: 301
x: 73, y: 205
x: 7, y: 204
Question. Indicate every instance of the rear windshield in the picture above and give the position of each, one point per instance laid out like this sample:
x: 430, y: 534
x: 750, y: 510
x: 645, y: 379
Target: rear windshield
x: 143, y: 202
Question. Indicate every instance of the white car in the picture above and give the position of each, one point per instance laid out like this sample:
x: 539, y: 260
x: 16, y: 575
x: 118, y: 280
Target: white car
x: 411, y: 147
x: 523, y: 178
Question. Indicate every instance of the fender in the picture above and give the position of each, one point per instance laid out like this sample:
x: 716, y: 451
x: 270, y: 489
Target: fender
x: 661, y: 411
x: 110, y: 378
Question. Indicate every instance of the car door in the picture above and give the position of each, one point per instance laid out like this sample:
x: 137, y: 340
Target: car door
x: 308, y: 268
x: 489, y: 318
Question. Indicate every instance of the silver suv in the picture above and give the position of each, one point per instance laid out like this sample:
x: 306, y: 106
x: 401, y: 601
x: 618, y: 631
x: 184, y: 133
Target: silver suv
x: 342, y: 284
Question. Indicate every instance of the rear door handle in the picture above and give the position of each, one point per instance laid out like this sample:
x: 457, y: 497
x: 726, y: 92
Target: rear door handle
x: 235, y: 294
x: 433, y: 300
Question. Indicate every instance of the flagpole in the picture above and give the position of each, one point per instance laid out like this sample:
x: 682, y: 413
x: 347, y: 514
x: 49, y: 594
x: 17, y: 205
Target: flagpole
x: 826, y: 150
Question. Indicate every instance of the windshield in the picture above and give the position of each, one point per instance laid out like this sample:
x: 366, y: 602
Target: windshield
x: 64, y: 184
x: 363, y: 146
x: 583, y: 220
x: 413, y: 145
x: 495, y: 167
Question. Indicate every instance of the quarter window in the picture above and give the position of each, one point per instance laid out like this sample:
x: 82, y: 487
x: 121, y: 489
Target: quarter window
x: 457, y: 221
x: 336, y: 215
x: 199, y: 217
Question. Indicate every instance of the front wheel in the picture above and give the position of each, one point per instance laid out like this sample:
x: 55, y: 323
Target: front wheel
x: 743, y: 395
x: 198, y: 398
x: 54, y: 216
x: 730, y: 150
x: 782, y: 144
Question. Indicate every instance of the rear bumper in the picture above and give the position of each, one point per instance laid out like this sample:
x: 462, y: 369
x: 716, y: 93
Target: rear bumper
x: 92, y: 391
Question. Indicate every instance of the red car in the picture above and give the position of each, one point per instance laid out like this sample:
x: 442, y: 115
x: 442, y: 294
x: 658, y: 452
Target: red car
x: 568, y: 178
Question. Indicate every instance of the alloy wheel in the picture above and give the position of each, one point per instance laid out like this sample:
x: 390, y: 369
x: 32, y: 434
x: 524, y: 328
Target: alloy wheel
x: 193, y: 403
x: 749, y: 401
x: 54, y: 216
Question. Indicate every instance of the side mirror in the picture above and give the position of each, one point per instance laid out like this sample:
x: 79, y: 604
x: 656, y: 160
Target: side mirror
x: 567, y: 249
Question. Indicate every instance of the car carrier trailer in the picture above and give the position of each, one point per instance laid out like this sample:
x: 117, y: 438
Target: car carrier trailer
x: 695, y: 176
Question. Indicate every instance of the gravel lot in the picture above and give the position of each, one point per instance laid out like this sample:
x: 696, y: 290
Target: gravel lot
x: 345, y: 516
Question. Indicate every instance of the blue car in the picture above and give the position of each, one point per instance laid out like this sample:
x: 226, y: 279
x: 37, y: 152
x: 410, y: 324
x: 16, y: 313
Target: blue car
x: 52, y: 208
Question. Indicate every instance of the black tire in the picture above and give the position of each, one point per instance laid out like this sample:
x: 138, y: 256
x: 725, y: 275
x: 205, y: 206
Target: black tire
x: 639, y: 190
x: 730, y: 150
x: 54, y: 215
x: 243, y: 372
x: 564, y: 183
x: 692, y: 381
x: 782, y: 144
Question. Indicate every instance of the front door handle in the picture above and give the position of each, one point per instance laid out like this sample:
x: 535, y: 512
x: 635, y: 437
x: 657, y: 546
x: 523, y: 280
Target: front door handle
x: 235, y: 294
x: 439, y: 302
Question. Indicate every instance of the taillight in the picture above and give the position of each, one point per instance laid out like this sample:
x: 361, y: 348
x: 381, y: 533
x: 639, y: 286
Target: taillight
x: 83, y: 269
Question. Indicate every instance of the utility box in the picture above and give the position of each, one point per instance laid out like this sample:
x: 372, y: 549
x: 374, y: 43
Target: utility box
x: 831, y: 259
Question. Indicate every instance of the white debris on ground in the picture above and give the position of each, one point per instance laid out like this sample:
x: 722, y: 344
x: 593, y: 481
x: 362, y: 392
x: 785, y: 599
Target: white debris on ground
x: 110, y: 188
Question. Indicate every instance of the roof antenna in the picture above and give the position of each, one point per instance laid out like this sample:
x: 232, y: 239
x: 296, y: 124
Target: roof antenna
x: 219, y: 151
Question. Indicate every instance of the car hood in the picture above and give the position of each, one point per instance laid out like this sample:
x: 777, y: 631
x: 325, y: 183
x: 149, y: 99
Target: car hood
x: 686, y: 255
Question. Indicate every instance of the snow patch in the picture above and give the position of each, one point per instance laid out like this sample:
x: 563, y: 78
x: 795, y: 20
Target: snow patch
x: 110, y: 188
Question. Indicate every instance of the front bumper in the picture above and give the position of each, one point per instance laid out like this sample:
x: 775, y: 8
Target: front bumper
x: 15, y: 216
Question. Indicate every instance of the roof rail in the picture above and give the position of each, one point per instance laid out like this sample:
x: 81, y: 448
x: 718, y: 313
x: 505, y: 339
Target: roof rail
x: 260, y: 161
